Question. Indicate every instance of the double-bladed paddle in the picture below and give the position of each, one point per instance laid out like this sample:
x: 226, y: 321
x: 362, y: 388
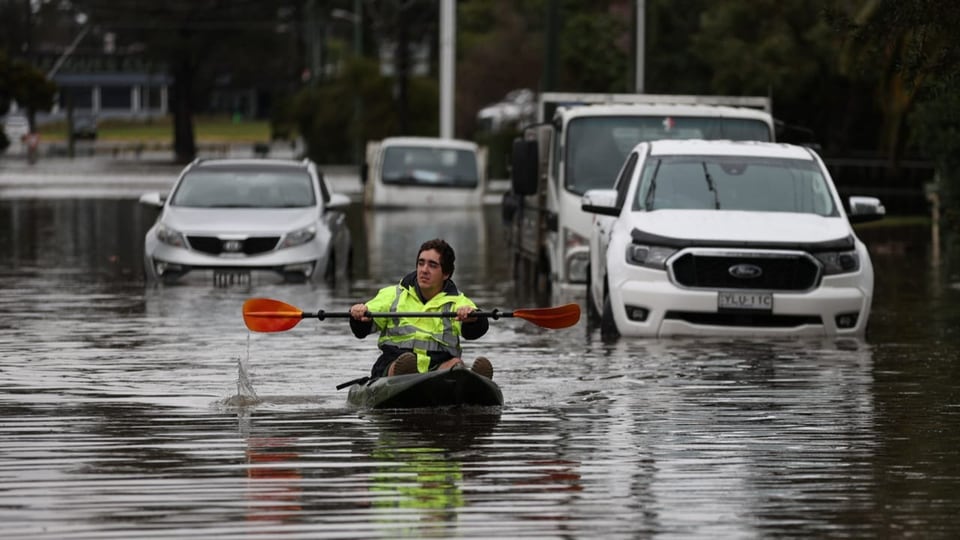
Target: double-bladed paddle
x: 267, y: 315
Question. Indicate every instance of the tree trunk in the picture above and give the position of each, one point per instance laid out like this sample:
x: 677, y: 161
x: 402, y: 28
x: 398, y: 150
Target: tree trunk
x: 184, y: 144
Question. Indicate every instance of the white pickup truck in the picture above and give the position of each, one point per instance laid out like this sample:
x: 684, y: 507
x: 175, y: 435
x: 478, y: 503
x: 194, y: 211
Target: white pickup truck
x: 406, y: 172
x: 580, y: 143
x: 728, y: 238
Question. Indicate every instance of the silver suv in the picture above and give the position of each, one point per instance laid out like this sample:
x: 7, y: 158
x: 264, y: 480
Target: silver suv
x: 235, y: 220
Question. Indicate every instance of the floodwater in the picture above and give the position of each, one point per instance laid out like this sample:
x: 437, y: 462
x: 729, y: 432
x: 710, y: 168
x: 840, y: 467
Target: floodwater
x: 136, y: 412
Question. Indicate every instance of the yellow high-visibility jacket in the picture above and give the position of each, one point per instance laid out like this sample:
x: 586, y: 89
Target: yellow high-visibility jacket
x: 436, y: 337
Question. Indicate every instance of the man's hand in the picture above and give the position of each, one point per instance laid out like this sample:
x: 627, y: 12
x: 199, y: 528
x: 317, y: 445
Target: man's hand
x: 359, y: 312
x: 465, y: 314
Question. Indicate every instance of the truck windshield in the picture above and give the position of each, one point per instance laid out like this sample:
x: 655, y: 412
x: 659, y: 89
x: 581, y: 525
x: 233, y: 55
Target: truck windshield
x: 598, y: 146
x: 433, y: 167
x: 752, y: 183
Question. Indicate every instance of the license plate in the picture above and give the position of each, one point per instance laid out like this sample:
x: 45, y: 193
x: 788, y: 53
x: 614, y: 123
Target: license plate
x: 757, y: 301
x: 226, y: 278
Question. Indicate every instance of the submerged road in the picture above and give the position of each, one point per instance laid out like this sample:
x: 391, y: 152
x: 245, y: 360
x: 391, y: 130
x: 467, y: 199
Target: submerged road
x: 132, y: 411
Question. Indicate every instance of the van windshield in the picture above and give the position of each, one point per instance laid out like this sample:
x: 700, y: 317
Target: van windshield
x: 432, y: 167
x: 762, y: 184
x: 598, y: 146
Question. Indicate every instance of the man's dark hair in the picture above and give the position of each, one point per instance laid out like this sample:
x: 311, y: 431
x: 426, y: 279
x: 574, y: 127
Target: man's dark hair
x: 446, y: 254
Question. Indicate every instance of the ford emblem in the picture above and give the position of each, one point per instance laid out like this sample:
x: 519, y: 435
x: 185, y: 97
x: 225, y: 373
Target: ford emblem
x: 232, y: 246
x: 745, y: 271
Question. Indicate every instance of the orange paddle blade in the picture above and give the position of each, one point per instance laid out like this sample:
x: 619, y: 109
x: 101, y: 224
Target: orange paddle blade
x: 551, y: 317
x: 267, y: 315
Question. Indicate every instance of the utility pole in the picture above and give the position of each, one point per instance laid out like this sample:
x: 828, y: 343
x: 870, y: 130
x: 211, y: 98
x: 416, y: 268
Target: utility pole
x: 640, y: 51
x: 358, y: 152
x: 448, y: 46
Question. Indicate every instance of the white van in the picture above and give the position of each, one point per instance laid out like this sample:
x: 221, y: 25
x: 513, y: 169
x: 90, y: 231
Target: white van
x: 404, y: 172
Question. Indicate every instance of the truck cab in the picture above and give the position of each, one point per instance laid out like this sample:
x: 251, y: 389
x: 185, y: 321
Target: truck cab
x: 581, y: 146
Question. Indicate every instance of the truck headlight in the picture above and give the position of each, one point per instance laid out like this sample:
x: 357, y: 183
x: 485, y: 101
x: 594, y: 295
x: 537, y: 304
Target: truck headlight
x: 838, y: 262
x: 649, y: 256
x: 577, y: 267
x: 576, y: 253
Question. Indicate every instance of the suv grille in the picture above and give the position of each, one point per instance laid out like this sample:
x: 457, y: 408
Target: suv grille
x: 777, y: 271
x: 250, y: 246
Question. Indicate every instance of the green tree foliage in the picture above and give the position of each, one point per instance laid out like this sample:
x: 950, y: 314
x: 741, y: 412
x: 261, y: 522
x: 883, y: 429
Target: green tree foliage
x: 907, y: 52
x: 402, y: 25
x: 325, y: 113
x: 499, y: 50
x: 22, y: 83
x: 670, y: 66
x: 784, y: 49
x: 596, y: 50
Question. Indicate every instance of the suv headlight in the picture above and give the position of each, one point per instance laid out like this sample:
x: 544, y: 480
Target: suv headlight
x: 299, y: 237
x: 838, y: 262
x: 649, y: 256
x: 170, y: 236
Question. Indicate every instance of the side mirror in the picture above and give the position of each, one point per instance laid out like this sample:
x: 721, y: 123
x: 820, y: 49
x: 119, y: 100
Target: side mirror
x: 153, y: 199
x: 600, y: 201
x: 864, y: 209
x: 364, y: 173
x: 524, y: 166
x: 338, y: 201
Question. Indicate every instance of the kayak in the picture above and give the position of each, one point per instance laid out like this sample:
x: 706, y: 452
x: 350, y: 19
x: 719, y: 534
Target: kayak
x: 458, y: 386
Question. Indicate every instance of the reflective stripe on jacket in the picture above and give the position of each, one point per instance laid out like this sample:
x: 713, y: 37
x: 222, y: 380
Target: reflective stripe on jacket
x: 421, y: 334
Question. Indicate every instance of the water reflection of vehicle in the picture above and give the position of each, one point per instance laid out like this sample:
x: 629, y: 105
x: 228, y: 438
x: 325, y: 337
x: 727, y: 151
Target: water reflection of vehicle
x: 394, y: 236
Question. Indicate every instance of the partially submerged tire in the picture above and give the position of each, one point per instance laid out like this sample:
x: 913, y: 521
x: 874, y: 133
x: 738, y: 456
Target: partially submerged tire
x: 608, y: 327
x: 592, y: 315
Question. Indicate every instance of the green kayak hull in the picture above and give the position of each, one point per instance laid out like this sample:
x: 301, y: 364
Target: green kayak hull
x: 446, y: 388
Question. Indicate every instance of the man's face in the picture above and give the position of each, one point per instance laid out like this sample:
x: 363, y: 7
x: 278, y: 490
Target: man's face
x: 430, y: 275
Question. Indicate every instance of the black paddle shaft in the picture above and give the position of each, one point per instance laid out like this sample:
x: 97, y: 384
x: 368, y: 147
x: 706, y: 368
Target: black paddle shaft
x: 495, y: 314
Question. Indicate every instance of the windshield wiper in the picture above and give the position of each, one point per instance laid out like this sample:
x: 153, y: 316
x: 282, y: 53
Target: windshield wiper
x: 648, y: 202
x: 711, y: 186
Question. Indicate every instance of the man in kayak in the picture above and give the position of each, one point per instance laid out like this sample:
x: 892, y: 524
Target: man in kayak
x: 420, y: 344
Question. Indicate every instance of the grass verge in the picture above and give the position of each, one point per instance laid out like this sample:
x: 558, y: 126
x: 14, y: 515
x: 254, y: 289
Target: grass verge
x: 207, y: 129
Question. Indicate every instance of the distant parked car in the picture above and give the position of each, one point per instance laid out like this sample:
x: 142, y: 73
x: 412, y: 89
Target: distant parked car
x: 236, y: 218
x: 727, y: 238
x: 84, y: 126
